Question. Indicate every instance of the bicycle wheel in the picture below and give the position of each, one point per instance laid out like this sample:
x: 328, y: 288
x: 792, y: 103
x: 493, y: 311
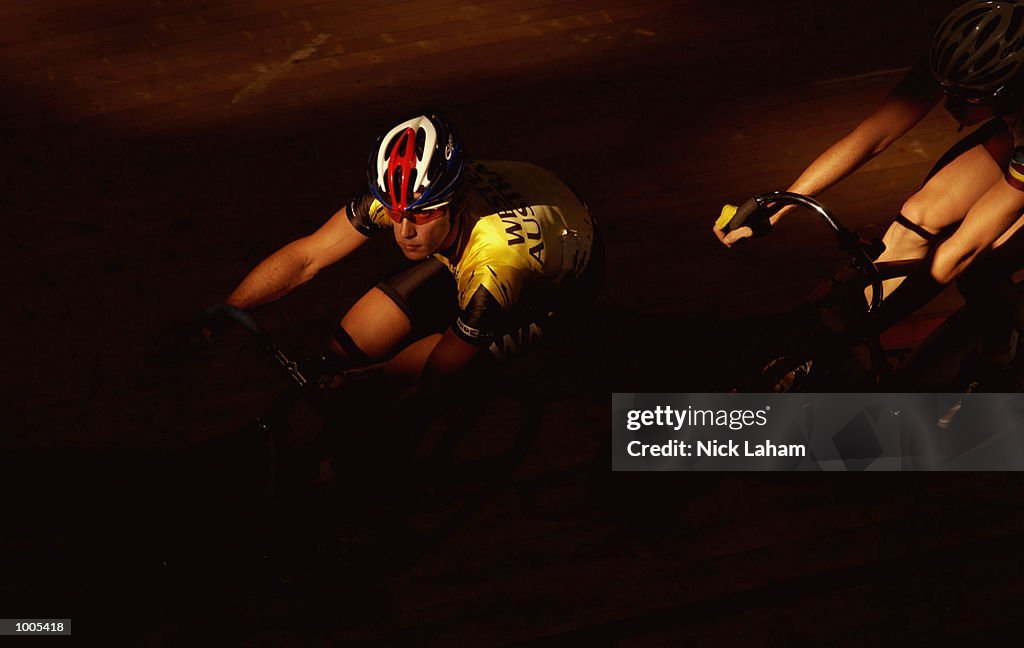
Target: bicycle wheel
x: 396, y: 495
x: 469, y: 457
x: 805, y: 353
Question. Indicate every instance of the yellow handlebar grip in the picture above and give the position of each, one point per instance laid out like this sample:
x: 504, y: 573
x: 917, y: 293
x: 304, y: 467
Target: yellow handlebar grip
x: 728, y: 211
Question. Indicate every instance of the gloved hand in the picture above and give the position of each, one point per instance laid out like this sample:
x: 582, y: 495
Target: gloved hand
x: 749, y: 220
x: 204, y: 329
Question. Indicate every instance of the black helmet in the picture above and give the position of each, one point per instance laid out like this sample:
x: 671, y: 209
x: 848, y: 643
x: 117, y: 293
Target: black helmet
x: 416, y: 165
x: 977, y: 51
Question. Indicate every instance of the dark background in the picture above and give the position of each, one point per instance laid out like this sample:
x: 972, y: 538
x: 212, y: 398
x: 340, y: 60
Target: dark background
x: 154, y: 152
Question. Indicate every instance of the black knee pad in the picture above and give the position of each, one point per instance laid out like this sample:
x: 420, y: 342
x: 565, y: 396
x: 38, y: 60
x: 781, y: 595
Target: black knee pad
x: 349, y: 346
x: 426, y: 294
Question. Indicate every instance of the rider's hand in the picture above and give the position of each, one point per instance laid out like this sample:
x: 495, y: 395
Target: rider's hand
x: 325, y: 370
x: 186, y: 341
x: 192, y: 338
x: 204, y: 330
x: 728, y: 239
x: 757, y: 221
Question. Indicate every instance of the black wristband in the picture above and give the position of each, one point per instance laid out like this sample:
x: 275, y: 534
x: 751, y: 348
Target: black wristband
x: 217, y: 325
x: 760, y: 227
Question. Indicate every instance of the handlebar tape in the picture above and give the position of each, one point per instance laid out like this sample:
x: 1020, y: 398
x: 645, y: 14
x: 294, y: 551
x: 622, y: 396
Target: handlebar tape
x: 750, y: 213
x: 733, y: 218
x: 725, y: 218
x: 241, y: 317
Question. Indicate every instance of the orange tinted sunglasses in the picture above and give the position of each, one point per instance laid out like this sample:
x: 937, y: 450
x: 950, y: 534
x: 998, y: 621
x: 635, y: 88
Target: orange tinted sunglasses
x: 417, y: 217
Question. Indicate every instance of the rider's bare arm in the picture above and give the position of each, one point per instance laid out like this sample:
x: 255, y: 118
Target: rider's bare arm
x: 908, y: 103
x: 298, y: 262
x: 905, y: 106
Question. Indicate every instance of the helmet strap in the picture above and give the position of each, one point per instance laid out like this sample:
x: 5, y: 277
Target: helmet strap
x: 1009, y: 102
x: 456, y: 211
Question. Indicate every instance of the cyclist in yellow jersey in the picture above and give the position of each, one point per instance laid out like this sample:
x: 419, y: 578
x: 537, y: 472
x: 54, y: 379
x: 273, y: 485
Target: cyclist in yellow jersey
x: 506, y: 254
x: 519, y: 234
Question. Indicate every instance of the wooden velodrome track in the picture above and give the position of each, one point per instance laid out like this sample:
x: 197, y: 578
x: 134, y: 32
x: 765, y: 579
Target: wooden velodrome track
x: 154, y: 152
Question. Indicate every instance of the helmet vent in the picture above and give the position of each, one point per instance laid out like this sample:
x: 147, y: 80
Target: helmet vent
x: 986, y: 32
x: 985, y: 58
x: 389, y: 148
x: 943, y: 57
x: 995, y: 75
x: 396, y: 181
x: 421, y: 140
x: 967, y: 21
x: 958, y: 71
x: 1015, y: 18
x: 436, y: 167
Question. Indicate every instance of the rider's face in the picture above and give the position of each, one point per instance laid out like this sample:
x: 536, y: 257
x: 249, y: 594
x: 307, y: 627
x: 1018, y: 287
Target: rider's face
x: 421, y: 234
x: 969, y: 113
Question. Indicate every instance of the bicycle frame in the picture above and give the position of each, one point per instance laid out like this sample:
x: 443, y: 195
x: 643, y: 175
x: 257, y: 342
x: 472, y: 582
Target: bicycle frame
x: 765, y: 204
x: 837, y: 302
x: 246, y: 320
x: 286, y: 485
